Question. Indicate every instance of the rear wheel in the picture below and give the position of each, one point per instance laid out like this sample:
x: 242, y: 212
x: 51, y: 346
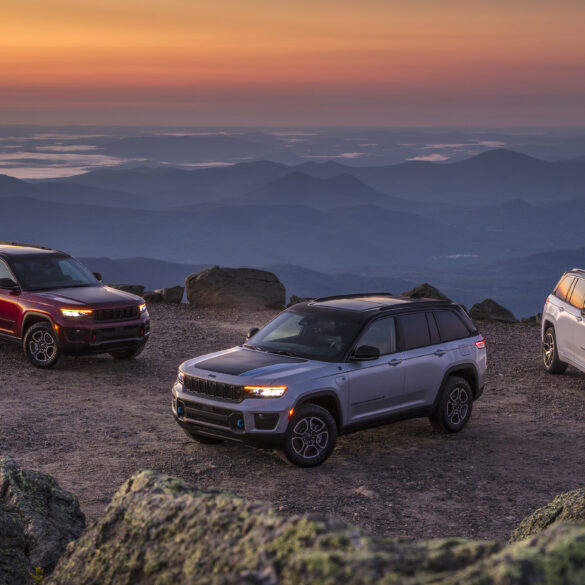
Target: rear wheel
x: 550, y: 355
x: 41, y: 345
x: 454, y: 408
x: 128, y: 354
x: 203, y: 439
x: 311, y: 436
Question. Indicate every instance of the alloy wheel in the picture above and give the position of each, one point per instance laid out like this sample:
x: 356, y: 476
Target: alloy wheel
x: 42, y: 346
x: 310, y: 437
x: 457, y: 405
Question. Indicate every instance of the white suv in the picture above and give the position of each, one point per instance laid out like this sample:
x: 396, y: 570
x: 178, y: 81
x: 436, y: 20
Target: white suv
x: 563, y: 324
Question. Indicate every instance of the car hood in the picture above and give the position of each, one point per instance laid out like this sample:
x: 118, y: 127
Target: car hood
x: 246, y: 366
x: 90, y: 295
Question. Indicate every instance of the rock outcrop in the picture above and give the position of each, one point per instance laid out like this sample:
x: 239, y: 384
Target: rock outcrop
x: 173, y: 294
x: 158, y: 531
x: 235, y: 287
x: 294, y: 300
x: 567, y: 507
x: 135, y: 289
x: 37, y: 520
x: 425, y: 291
x: 152, y: 296
x: 489, y: 310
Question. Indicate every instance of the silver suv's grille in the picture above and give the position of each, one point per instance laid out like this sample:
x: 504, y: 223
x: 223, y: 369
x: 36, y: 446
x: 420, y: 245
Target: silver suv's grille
x: 213, y: 389
x: 117, y: 314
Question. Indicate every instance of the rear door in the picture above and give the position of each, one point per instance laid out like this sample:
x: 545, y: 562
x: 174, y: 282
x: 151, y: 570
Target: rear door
x: 376, y: 387
x: 9, y: 308
x: 425, y: 358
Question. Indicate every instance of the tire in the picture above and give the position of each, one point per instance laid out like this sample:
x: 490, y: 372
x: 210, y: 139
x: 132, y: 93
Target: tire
x: 455, y: 405
x: 127, y: 354
x: 203, y: 439
x: 550, y: 356
x: 41, y: 345
x: 310, y: 436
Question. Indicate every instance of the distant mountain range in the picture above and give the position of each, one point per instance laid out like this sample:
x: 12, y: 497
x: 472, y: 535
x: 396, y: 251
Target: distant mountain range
x: 416, y: 217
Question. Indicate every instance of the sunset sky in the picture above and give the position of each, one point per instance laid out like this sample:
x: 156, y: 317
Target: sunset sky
x: 317, y: 62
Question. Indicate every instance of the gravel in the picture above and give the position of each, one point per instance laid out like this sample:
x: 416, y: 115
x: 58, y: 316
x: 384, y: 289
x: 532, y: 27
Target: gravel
x: 94, y: 421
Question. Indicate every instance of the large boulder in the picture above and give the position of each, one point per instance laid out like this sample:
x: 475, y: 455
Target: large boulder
x: 295, y: 300
x: 158, y: 531
x: 235, y: 287
x: 135, y: 289
x: 425, y: 291
x: 489, y: 310
x: 37, y: 520
x: 569, y: 506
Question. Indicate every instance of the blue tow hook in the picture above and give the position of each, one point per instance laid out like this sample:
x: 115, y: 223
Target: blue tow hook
x: 181, y: 409
x: 240, y: 423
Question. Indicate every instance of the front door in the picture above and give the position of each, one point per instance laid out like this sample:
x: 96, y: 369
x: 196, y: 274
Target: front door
x: 376, y: 387
x: 9, y: 307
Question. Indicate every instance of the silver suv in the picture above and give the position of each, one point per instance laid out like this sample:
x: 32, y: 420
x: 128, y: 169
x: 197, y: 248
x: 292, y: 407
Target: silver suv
x: 331, y: 366
x: 563, y: 324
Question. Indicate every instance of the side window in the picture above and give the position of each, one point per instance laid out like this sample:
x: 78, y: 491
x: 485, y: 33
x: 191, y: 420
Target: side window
x: 4, y: 272
x: 381, y: 334
x: 450, y: 326
x: 578, y: 294
x: 415, y: 330
x: 563, y: 287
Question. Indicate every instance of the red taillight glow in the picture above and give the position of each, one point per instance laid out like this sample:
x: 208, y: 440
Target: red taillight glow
x: 480, y: 344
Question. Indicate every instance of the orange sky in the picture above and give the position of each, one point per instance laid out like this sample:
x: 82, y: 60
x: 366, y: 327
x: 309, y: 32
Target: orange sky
x: 411, y: 62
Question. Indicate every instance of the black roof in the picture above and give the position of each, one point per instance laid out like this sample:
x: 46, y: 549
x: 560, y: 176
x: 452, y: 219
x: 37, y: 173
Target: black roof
x: 367, y: 303
x: 15, y: 249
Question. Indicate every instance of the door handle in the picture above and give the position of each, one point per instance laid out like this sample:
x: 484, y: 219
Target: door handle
x: 440, y: 352
x: 578, y: 318
x: 394, y: 362
x: 561, y: 309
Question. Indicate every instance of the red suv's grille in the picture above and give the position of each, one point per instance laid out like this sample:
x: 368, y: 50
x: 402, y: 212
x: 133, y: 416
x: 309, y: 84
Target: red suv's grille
x: 123, y: 314
x: 214, y: 389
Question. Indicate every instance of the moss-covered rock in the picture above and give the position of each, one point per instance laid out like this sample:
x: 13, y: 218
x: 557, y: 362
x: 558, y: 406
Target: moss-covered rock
x: 37, y: 520
x: 569, y: 506
x: 159, y: 531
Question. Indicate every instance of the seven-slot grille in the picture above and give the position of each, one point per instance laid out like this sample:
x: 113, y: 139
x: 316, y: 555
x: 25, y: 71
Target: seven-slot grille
x: 213, y: 389
x: 117, y: 314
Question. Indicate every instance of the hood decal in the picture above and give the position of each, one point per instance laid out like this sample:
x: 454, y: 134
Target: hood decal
x: 246, y: 362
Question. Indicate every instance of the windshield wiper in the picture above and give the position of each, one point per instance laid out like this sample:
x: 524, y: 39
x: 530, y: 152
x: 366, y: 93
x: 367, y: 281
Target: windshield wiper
x: 250, y: 346
x: 284, y: 352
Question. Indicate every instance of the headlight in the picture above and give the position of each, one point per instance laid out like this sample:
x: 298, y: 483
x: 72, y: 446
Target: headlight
x: 265, y: 391
x: 76, y: 312
x: 142, y: 308
x: 181, y: 377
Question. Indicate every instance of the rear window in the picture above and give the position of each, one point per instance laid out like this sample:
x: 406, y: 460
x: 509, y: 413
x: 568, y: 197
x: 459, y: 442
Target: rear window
x: 450, y: 326
x: 562, y: 289
x: 414, y: 330
x: 578, y: 294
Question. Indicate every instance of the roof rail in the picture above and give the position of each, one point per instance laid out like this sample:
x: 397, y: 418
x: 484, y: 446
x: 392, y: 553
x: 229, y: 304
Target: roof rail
x: 353, y: 296
x: 21, y: 245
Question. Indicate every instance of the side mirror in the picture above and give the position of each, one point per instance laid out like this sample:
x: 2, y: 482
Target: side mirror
x: 8, y: 284
x: 252, y: 332
x: 364, y: 353
x: 98, y: 275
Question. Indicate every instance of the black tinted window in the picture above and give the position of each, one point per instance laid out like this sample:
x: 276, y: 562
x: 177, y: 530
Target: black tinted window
x: 578, y: 294
x: 563, y: 287
x: 380, y: 334
x: 450, y: 326
x: 414, y: 330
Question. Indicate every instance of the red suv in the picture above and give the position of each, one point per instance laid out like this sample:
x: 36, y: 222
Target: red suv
x: 54, y: 306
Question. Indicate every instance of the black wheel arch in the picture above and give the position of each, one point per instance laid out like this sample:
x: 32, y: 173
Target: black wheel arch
x: 326, y: 399
x: 467, y: 371
x: 32, y: 317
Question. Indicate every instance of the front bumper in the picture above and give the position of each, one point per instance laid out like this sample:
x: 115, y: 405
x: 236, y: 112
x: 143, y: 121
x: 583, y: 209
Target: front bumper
x: 88, y: 337
x: 252, y: 421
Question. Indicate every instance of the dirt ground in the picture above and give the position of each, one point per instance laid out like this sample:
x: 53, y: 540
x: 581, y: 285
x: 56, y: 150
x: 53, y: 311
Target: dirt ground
x: 93, y: 421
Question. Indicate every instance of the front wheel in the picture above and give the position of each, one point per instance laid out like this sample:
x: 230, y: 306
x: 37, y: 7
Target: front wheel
x: 41, y: 345
x: 310, y: 437
x: 550, y: 355
x: 454, y: 408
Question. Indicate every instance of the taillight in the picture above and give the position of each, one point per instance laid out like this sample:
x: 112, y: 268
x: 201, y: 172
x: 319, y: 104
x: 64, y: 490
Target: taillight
x: 480, y: 344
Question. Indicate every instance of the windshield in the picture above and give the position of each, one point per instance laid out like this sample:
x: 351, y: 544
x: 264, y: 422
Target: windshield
x: 50, y: 272
x: 311, y: 335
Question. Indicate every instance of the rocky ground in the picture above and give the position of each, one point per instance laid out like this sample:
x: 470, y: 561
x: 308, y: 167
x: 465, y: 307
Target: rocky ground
x: 92, y: 422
